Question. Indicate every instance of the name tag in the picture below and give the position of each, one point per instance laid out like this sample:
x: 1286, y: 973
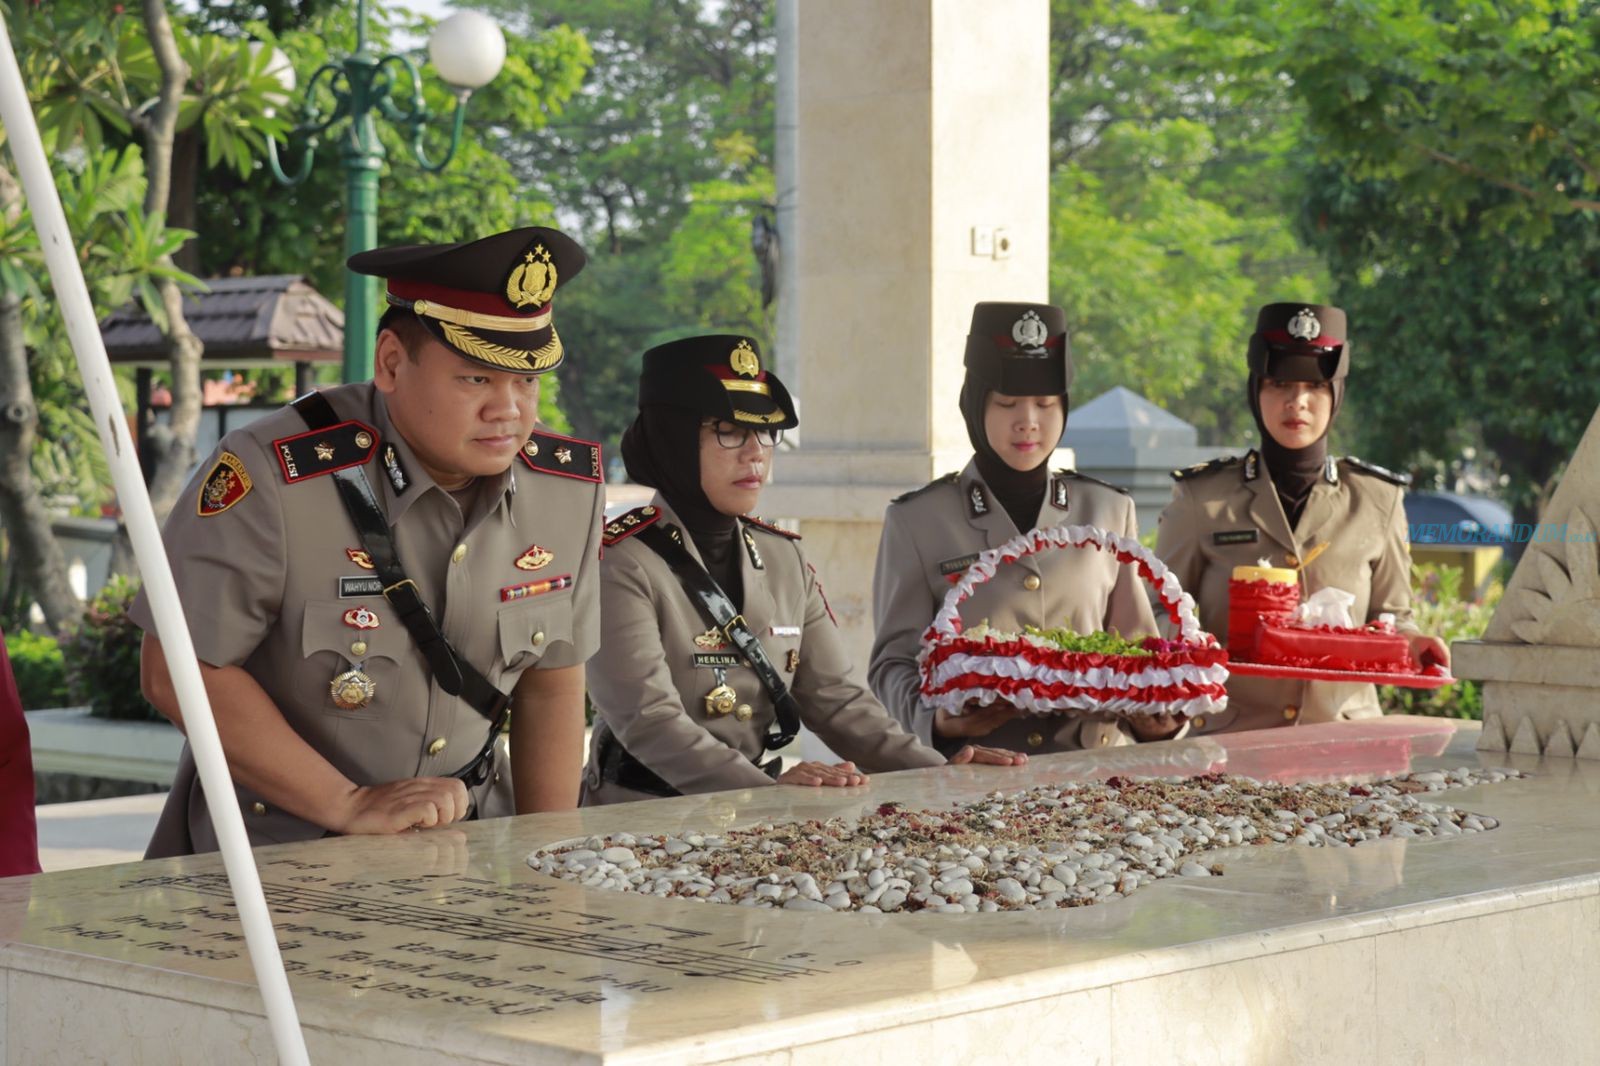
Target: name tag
x: 1236, y: 536
x: 360, y: 585
x: 957, y: 566
x: 709, y: 659
x: 785, y: 631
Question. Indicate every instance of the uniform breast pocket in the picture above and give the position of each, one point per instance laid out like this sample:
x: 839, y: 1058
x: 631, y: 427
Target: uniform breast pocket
x: 353, y: 652
x: 531, y: 631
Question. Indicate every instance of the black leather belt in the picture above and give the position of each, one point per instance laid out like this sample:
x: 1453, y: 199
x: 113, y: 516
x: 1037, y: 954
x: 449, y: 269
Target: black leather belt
x: 619, y: 767
x: 455, y: 675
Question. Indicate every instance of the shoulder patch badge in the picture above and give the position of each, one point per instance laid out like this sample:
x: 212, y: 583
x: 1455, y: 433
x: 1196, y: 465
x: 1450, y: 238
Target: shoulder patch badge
x: 948, y: 479
x: 1391, y: 476
x: 322, y: 451
x: 628, y: 524
x: 1205, y: 468
x: 769, y: 527
x: 552, y: 453
x: 225, y: 486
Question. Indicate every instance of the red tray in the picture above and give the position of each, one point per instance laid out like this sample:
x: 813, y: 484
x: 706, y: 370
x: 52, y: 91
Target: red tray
x: 1304, y: 673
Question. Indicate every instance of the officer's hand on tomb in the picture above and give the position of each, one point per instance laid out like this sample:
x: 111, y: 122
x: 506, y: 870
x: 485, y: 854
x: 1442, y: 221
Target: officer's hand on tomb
x: 835, y: 775
x: 978, y: 754
x: 976, y: 722
x: 1428, y: 651
x: 395, y: 806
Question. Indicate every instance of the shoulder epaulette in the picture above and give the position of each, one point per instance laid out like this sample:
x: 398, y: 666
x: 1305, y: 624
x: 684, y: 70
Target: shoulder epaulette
x: 626, y: 525
x: 1378, y: 471
x: 1081, y: 476
x: 551, y: 453
x: 948, y: 479
x: 1205, y: 468
x: 751, y: 519
x: 322, y: 451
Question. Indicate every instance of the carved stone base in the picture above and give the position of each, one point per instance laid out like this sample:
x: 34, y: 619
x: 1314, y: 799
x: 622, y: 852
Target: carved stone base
x: 1537, y: 698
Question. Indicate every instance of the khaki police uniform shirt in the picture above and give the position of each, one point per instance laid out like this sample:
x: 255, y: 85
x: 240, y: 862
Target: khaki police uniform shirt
x: 1226, y: 514
x: 931, y: 536
x: 269, y: 582
x: 655, y: 666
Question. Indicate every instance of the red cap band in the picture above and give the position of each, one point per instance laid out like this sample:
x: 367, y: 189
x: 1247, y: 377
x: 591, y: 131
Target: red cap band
x: 1281, y: 336
x: 484, y: 303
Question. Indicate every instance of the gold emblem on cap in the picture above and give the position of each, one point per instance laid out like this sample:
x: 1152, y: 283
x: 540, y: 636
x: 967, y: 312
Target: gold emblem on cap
x: 744, y: 360
x: 532, y: 281
x: 720, y: 701
x: 324, y: 450
x: 352, y: 690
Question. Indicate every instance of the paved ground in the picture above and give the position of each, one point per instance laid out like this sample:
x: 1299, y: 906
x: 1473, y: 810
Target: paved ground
x: 96, y: 832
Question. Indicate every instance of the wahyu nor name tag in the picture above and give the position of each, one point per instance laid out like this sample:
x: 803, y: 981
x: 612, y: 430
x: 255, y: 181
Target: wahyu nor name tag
x: 1236, y: 536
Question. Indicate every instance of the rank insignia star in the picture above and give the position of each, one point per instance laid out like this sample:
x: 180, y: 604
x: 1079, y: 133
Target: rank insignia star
x: 563, y: 455
x: 324, y: 451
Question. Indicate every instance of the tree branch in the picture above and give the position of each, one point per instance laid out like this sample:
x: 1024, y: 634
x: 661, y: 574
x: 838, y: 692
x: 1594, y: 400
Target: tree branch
x: 1578, y: 203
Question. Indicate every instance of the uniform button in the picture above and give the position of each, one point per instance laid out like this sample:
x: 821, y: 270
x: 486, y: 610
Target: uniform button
x: 1290, y: 713
x: 1035, y: 739
x: 1292, y: 559
x: 744, y: 712
x: 258, y: 807
x: 497, y: 777
x: 1031, y: 582
x: 1200, y: 723
x: 358, y: 648
x: 1105, y: 738
x: 437, y: 746
x: 459, y: 554
x: 538, y: 637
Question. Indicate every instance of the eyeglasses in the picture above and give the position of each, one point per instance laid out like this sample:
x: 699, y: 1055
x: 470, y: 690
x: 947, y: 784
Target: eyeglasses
x: 732, y: 437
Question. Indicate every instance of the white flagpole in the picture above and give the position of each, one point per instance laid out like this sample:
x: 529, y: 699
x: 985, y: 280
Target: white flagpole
x: 172, y: 628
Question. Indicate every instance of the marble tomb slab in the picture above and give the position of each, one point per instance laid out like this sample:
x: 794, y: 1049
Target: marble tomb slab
x: 445, y: 947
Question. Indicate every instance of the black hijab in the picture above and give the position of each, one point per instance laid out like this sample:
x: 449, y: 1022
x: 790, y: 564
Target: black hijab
x: 661, y: 449
x: 1294, y: 471
x: 1020, y: 492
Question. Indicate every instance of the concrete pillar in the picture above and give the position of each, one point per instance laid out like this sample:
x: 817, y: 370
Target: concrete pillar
x: 923, y: 187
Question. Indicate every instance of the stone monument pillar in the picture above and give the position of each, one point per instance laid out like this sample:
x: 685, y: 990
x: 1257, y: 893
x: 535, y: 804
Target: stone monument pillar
x: 1539, y: 659
x: 922, y: 184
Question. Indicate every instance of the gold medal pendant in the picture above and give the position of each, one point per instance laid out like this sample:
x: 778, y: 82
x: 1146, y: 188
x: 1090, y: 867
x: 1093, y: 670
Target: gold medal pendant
x: 720, y: 701
x: 352, y: 690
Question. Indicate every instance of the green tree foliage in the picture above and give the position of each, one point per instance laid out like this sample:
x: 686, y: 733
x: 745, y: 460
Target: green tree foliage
x: 658, y: 164
x: 1173, y: 195
x: 1444, y: 98
x: 251, y: 224
x: 1472, y: 340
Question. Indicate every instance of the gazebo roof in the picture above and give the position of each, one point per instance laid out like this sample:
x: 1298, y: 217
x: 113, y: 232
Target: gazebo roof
x: 245, y: 321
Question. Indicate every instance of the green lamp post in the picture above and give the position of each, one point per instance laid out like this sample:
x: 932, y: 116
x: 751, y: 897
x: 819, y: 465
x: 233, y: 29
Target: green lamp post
x: 468, y: 50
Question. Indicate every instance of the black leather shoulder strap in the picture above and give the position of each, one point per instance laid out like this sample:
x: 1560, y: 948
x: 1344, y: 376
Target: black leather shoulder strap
x: 719, y: 610
x: 454, y: 674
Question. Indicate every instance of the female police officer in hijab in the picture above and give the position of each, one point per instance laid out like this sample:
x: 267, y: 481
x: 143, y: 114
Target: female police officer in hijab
x: 716, y: 640
x: 1014, y: 401
x: 1286, y: 500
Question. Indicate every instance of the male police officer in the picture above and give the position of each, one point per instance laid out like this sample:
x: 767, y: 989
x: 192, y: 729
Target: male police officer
x: 377, y: 575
